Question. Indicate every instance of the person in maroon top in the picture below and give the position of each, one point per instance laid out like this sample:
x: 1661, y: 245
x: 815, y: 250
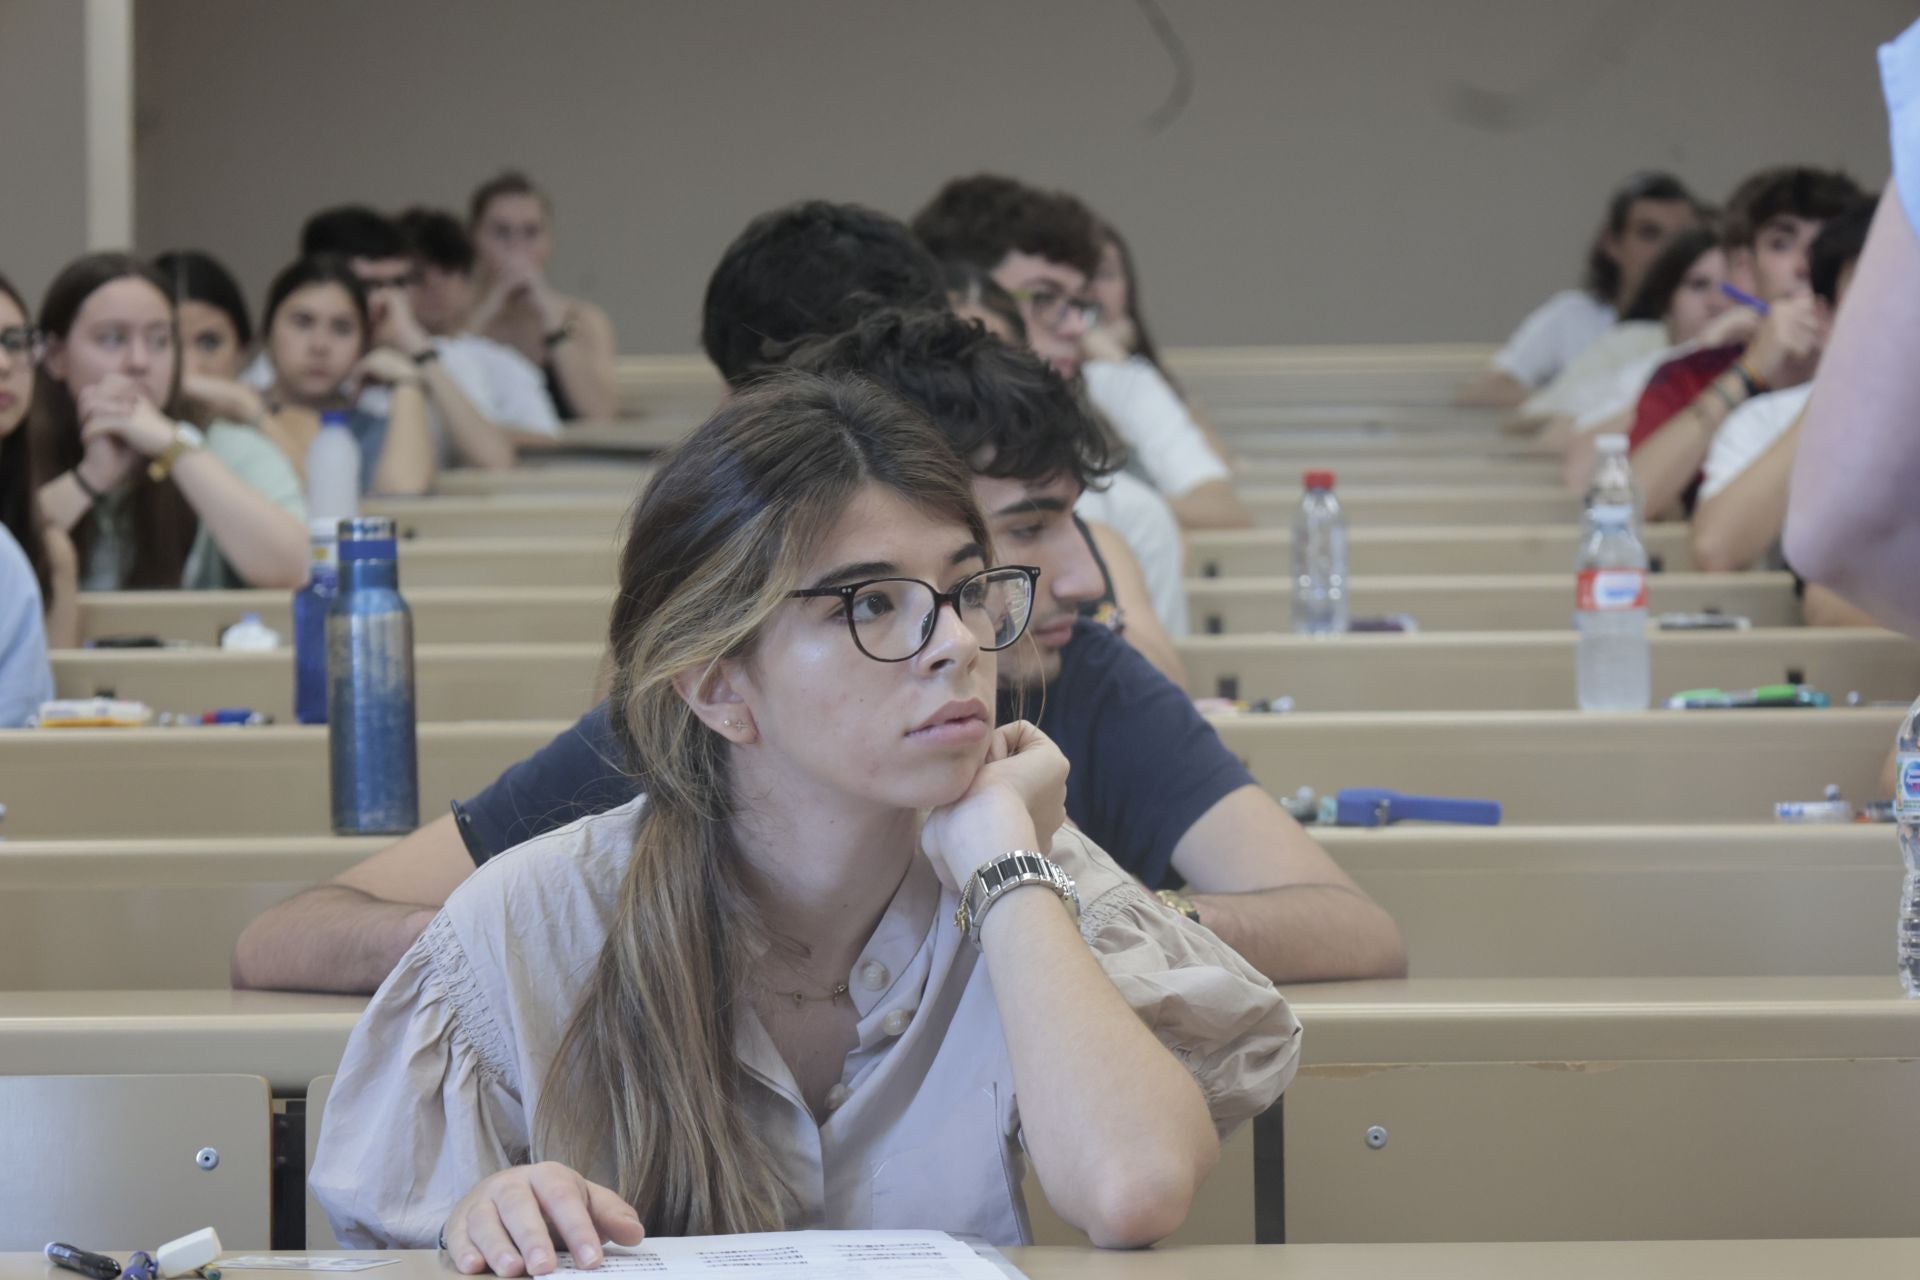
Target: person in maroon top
x: 1772, y: 219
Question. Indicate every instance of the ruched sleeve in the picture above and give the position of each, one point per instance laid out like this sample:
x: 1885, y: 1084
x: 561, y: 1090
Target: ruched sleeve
x: 1215, y: 1012
x: 425, y: 1104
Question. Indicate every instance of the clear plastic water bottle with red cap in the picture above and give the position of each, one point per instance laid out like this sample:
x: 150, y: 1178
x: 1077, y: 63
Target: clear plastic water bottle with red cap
x: 1615, y: 657
x: 1906, y: 812
x: 1319, y: 559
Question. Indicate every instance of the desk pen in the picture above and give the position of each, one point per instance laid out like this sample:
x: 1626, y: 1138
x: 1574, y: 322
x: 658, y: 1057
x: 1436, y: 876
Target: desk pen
x: 97, y: 1265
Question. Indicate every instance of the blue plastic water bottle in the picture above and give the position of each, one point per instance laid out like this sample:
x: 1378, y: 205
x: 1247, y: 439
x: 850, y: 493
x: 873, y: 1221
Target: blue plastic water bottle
x: 370, y: 725
x: 310, y: 605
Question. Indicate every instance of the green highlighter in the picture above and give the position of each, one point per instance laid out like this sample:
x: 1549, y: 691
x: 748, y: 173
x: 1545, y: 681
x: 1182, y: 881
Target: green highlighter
x: 1766, y: 696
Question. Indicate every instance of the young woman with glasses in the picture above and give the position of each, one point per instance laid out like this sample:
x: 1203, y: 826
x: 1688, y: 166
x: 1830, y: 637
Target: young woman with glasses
x: 843, y: 965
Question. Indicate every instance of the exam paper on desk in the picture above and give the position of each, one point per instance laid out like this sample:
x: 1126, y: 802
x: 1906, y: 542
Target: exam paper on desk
x: 802, y: 1255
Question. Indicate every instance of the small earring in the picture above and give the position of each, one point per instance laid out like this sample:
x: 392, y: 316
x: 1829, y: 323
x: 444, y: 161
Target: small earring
x: 734, y: 724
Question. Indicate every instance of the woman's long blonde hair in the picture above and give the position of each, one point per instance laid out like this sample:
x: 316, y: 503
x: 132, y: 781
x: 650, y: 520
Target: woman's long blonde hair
x: 647, y: 1065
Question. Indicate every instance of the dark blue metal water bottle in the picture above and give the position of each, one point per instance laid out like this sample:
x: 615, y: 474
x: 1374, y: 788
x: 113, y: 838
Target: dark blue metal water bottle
x: 370, y: 729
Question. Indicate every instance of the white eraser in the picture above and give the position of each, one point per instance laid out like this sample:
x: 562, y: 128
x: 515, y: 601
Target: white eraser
x: 188, y: 1253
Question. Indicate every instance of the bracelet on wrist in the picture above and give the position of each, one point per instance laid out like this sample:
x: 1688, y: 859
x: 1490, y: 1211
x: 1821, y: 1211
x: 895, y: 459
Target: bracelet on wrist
x: 426, y: 356
x: 94, y: 496
x: 1753, y: 382
x: 1726, y: 397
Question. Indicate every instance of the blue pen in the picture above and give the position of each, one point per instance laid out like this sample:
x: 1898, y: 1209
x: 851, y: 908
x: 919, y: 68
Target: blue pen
x: 1744, y: 298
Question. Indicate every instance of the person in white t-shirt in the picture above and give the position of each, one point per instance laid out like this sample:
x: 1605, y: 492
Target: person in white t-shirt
x: 1043, y: 247
x: 1742, y: 505
x: 1641, y: 216
x: 506, y: 386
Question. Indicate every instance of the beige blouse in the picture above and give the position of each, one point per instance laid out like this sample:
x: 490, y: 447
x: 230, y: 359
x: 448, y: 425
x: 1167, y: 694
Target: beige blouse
x: 443, y: 1075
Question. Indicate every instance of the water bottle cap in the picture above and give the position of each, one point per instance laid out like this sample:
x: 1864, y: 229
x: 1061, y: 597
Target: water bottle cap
x: 1611, y: 443
x: 367, y: 529
x: 1318, y: 480
x: 336, y: 418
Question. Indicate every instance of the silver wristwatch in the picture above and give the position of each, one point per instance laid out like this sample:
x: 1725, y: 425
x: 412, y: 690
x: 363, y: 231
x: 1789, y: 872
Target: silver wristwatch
x: 1009, y: 871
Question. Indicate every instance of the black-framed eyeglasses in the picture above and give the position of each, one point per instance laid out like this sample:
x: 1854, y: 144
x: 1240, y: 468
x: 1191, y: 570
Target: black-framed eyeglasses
x: 892, y: 619
x: 23, y: 340
x: 1051, y: 308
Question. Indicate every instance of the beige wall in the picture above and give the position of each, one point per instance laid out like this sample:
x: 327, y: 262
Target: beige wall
x: 43, y: 140
x: 1370, y: 170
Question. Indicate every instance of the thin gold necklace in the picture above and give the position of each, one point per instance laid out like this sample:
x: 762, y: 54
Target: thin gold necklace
x: 801, y: 997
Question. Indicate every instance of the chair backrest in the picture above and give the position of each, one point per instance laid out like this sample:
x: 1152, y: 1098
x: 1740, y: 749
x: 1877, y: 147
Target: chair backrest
x: 319, y: 1230
x: 135, y: 1161
x: 1223, y: 1212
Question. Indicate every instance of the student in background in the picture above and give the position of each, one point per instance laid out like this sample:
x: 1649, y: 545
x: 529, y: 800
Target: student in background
x: 319, y: 351
x: 1641, y: 215
x: 1042, y: 247
x: 1147, y: 583
x: 508, y: 389
x: 149, y: 499
x: 1743, y: 491
x: 668, y: 1002
x: 1122, y: 333
x: 49, y: 552
x: 216, y: 338
x: 1678, y: 298
x: 572, y: 340
x: 1772, y: 221
x: 807, y: 270
x: 382, y: 260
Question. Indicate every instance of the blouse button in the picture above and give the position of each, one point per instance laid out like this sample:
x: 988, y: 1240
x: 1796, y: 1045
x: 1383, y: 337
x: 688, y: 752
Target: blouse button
x: 837, y: 1097
x: 873, y: 975
x: 896, y: 1022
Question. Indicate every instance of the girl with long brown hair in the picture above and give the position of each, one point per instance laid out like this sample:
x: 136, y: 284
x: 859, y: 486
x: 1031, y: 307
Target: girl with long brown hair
x: 843, y: 965
x: 150, y: 499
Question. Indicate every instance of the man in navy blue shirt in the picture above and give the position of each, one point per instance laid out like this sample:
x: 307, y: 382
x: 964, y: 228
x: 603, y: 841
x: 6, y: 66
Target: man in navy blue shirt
x: 1150, y: 782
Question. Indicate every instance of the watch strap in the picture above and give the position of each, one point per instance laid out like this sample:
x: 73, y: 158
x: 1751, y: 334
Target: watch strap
x: 186, y: 438
x: 994, y: 880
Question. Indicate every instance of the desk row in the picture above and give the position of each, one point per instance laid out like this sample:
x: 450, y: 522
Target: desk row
x: 1520, y: 1109
x: 1554, y: 768
x: 1545, y: 902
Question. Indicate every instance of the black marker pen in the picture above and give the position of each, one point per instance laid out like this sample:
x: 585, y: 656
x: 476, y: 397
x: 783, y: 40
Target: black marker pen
x: 97, y: 1265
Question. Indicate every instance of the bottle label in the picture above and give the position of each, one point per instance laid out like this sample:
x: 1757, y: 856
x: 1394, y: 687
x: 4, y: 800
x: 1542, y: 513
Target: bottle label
x: 1610, y: 515
x: 1611, y: 590
x: 1906, y: 795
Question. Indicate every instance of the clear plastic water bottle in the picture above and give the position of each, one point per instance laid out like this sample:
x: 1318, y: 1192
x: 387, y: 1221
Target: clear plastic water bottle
x: 310, y: 605
x: 333, y: 471
x: 371, y: 751
x: 1319, y: 559
x: 1615, y: 657
x: 1906, y: 811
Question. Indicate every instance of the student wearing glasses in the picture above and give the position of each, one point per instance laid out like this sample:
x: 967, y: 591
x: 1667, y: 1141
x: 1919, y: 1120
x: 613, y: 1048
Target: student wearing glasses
x: 845, y: 966
x: 26, y: 569
x: 1043, y: 247
x: 149, y: 499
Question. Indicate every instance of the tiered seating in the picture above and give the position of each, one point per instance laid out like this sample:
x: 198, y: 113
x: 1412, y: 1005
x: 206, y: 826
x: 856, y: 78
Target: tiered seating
x: 1639, y: 1010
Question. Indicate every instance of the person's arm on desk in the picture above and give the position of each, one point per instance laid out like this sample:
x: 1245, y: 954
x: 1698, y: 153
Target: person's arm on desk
x: 345, y: 936
x: 1275, y: 896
